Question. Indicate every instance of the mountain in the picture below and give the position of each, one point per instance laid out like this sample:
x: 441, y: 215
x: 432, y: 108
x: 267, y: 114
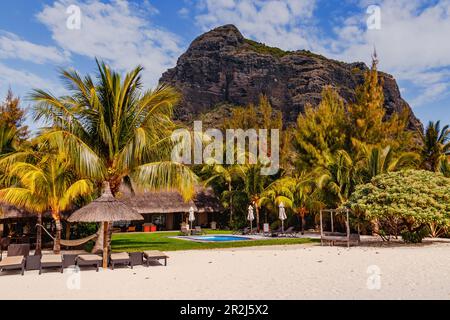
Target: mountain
x: 221, y: 68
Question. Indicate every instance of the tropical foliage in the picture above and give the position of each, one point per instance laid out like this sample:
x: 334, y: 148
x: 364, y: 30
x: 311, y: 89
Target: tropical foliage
x: 44, y: 182
x: 114, y: 131
x: 436, y: 146
x: 109, y: 128
x: 405, y: 202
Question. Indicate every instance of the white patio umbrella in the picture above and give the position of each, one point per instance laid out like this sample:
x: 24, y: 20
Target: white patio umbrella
x: 250, y: 217
x: 282, y: 215
x: 191, y: 215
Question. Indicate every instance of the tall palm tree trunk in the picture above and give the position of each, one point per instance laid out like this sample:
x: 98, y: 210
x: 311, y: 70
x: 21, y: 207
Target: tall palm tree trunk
x: 257, y: 219
x: 302, y: 216
x: 231, y: 204
x: 98, y: 247
x: 38, y: 250
x: 57, y: 244
x: 67, y: 230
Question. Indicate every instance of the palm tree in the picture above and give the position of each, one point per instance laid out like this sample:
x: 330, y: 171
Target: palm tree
x: 436, y: 145
x: 300, y: 194
x: 445, y: 168
x: 228, y: 175
x: 8, y: 139
x: 254, y: 186
x: 339, y: 178
x: 374, y: 161
x: 115, y: 131
x: 45, y: 184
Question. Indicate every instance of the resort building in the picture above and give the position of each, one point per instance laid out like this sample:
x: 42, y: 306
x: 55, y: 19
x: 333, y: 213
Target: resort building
x: 167, y: 210
x: 162, y: 211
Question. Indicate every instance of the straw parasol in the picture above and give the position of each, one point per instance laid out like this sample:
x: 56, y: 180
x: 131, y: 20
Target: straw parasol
x: 191, y: 215
x: 105, y: 209
x: 282, y: 215
x: 250, y: 217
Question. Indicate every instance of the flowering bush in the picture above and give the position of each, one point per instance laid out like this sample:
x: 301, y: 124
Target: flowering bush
x: 405, y: 202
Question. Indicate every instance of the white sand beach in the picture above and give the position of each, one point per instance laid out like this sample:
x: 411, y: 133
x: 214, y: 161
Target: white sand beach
x: 282, y: 272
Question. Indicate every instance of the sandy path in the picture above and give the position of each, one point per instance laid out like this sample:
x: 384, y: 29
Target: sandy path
x: 284, y: 272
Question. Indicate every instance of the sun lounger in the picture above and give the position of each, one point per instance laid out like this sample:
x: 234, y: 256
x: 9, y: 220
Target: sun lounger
x: 19, y: 250
x: 51, y: 261
x: 69, y: 260
x: 275, y: 233
x: 198, y: 231
x: 155, y: 255
x: 91, y: 260
x: 243, y: 232
x: 136, y: 258
x: 16, y: 258
x: 33, y: 262
x: 290, y: 232
x: 120, y: 258
x: 13, y: 263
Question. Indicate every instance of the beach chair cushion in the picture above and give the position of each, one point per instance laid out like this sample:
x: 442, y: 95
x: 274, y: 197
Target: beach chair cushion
x: 90, y: 257
x: 11, y: 261
x: 154, y: 254
x: 51, y: 258
x: 120, y: 256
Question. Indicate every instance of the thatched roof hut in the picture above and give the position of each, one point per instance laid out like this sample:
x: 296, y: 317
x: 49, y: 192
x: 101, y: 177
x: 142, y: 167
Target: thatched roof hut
x: 158, y: 202
x: 12, y: 213
x: 206, y: 201
x: 8, y: 212
x: 172, y: 202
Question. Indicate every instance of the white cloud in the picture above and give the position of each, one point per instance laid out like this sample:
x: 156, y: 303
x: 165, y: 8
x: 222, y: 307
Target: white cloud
x: 184, y: 12
x: 22, y: 79
x: 116, y: 31
x: 412, y: 44
x: 11, y: 46
x: 282, y: 23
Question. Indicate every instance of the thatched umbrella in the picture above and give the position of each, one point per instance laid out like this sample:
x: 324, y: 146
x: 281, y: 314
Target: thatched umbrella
x: 191, y: 215
x: 282, y: 215
x: 105, y: 209
x: 250, y: 217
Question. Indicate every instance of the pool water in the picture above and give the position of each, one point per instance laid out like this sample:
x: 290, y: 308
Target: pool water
x: 219, y: 238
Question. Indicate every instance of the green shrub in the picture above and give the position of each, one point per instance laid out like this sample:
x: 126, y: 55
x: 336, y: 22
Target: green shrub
x: 404, y: 202
x: 415, y: 236
x: 264, y: 49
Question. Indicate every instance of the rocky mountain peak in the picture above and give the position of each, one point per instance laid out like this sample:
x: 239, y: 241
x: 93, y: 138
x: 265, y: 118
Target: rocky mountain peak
x: 222, y: 67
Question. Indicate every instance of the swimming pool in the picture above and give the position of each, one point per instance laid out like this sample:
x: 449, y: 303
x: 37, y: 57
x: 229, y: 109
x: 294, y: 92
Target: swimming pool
x: 218, y: 238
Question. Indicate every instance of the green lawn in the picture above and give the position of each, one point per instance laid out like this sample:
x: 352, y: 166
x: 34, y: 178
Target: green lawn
x: 134, y: 242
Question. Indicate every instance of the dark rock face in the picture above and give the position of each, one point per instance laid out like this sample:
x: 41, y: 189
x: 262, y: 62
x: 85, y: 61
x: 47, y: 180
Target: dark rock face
x: 222, y: 67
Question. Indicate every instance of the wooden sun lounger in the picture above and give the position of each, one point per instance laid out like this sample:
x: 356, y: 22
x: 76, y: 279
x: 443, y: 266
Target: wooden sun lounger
x: 243, y: 232
x: 155, y: 255
x: 198, y: 231
x: 69, y: 259
x: 51, y: 261
x: 120, y: 258
x: 13, y: 263
x: 91, y: 260
x: 16, y: 258
x: 290, y: 232
x: 136, y: 258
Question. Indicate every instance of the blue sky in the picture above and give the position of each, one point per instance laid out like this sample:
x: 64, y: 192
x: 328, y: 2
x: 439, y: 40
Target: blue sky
x: 411, y: 38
